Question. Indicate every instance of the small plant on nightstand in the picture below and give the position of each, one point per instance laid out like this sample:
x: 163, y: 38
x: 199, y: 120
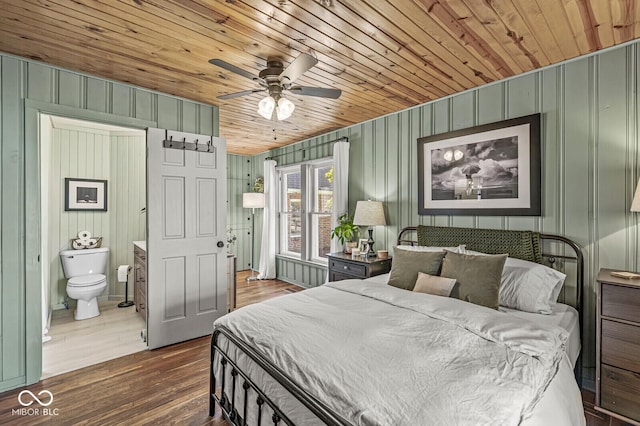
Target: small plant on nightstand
x: 346, y: 231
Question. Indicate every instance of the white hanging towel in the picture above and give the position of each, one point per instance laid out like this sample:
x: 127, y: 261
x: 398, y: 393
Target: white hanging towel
x: 123, y: 272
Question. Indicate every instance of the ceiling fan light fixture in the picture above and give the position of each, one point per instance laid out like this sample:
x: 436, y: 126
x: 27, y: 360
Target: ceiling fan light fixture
x: 266, y: 107
x: 285, y: 109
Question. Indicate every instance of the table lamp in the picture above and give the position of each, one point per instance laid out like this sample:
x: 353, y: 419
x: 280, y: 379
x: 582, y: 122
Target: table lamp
x: 369, y: 213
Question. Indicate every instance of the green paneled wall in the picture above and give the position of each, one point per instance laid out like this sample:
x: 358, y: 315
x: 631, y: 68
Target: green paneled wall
x: 590, y: 157
x: 75, y: 153
x: 127, y: 192
x: 239, y: 180
x: 118, y: 157
x: 28, y: 88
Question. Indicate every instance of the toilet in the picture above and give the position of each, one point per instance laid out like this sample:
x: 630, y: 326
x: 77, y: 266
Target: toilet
x: 86, y: 280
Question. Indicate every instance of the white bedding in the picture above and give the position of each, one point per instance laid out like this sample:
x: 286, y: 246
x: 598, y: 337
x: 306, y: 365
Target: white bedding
x: 562, y: 315
x: 412, y: 333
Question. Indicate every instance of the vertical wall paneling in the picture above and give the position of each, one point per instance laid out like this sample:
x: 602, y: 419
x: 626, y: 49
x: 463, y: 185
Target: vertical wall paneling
x: 239, y: 171
x: 121, y: 100
x: 118, y: 157
x: 590, y: 160
x: 189, y: 117
x: 127, y: 167
x: 12, y: 366
x: 27, y: 89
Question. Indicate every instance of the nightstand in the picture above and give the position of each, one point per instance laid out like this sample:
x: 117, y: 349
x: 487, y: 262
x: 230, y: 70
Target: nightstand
x: 343, y: 267
x: 618, y: 347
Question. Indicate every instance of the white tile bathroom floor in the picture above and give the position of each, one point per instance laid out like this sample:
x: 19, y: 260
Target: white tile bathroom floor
x: 77, y: 344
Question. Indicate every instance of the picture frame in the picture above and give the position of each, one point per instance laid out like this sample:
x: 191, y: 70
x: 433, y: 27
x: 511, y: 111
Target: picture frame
x: 85, y: 195
x: 487, y: 170
x: 363, y: 245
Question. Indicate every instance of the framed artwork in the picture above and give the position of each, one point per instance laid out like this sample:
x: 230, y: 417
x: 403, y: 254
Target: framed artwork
x: 487, y: 170
x: 85, y: 195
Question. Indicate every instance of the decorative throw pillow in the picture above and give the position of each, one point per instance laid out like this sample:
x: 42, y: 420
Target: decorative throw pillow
x: 529, y: 286
x: 439, y: 286
x: 406, y: 265
x: 477, y: 277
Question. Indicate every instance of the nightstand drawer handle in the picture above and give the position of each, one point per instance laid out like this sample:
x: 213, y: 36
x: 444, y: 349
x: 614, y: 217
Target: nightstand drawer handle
x: 345, y: 267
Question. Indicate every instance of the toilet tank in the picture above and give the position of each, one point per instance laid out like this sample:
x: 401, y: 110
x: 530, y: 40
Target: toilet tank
x: 84, y: 262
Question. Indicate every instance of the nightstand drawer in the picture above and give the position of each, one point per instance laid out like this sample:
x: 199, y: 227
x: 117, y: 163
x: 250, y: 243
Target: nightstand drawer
x: 621, y: 302
x: 355, y: 269
x: 621, y: 345
x: 620, y: 391
x: 337, y: 276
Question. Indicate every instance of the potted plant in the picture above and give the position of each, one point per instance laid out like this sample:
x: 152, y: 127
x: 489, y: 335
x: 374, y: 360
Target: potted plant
x: 346, y: 232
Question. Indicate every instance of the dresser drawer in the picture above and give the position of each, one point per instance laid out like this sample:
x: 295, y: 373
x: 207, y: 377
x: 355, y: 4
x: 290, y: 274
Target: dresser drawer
x: 620, y: 345
x: 620, y: 391
x: 355, y: 269
x: 621, y: 302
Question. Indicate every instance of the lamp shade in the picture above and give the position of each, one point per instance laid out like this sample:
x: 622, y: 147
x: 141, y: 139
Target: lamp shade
x: 369, y: 213
x: 266, y: 106
x: 285, y: 109
x: 253, y: 200
x: 635, y: 204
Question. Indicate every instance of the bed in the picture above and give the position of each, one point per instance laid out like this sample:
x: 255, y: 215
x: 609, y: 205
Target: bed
x: 364, y: 352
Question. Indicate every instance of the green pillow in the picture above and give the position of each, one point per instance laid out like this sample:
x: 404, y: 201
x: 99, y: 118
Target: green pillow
x: 477, y: 277
x: 406, y: 265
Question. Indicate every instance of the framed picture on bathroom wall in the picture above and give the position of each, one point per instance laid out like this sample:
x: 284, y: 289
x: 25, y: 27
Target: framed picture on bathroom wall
x: 85, y: 195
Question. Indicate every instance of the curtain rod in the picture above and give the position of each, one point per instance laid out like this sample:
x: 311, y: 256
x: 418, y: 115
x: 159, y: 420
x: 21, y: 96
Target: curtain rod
x: 342, y: 139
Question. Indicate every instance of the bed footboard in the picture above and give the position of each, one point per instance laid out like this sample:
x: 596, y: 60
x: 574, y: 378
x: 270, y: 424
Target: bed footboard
x: 241, y: 382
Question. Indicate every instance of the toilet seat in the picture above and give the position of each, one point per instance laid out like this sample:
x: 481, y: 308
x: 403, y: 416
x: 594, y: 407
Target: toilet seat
x: 86, y: 280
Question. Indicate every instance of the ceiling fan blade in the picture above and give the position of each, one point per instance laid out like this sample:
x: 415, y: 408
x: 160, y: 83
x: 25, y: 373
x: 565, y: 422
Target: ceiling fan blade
x: 238, y: 94
x: 227, y: 66
x: 299, y: 66
x: 316, y: 91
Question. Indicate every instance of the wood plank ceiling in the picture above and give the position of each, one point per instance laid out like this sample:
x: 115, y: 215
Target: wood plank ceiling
x: 385, y: 56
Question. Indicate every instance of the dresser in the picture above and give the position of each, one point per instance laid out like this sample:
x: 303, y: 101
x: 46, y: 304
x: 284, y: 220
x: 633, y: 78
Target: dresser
x: 140, y: 278
x: 344, y: 267
x: 618, y: 347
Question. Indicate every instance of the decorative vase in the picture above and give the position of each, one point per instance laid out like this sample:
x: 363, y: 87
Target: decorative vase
x: 350, y: 245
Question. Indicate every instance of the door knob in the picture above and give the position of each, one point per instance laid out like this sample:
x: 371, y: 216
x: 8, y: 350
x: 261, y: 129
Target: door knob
x: 220, y: 244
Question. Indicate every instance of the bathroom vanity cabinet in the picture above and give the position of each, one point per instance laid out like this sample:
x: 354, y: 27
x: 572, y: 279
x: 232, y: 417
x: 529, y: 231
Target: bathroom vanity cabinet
x: 140, y: 278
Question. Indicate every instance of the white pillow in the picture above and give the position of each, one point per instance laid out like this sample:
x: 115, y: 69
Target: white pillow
x: 458, y: 249
x: 528, y: 286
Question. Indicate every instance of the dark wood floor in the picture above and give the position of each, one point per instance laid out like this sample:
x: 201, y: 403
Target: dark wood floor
x: 164, y: 386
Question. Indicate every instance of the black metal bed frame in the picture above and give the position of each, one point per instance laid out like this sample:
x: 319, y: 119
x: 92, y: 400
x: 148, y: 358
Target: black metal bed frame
x: 237, y: 416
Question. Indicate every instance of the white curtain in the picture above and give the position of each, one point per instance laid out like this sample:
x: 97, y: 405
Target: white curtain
x: 340, y: 187
x: 267, y: 270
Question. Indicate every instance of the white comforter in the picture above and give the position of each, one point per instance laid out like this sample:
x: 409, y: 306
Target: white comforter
x: 382, y: 356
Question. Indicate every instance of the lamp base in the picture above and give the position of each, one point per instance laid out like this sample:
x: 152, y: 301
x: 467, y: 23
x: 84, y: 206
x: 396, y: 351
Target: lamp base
x: 370, y: 243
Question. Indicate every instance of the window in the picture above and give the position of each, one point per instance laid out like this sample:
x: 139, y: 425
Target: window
x: 306, y: 203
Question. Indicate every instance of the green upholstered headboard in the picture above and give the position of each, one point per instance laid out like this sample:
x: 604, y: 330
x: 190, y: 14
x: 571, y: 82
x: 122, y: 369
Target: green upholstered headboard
x: 518, y: 244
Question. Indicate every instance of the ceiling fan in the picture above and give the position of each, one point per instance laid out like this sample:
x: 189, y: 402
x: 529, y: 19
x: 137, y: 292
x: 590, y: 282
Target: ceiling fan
x: 275, y: 79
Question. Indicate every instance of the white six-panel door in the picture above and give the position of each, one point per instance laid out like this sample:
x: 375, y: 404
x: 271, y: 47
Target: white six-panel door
x: 186, y: 250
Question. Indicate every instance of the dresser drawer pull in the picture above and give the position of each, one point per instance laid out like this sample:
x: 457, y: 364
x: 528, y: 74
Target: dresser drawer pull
x: 345, y: 267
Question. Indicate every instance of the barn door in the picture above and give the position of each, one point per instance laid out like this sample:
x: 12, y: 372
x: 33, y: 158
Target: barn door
x: 186, y: 220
